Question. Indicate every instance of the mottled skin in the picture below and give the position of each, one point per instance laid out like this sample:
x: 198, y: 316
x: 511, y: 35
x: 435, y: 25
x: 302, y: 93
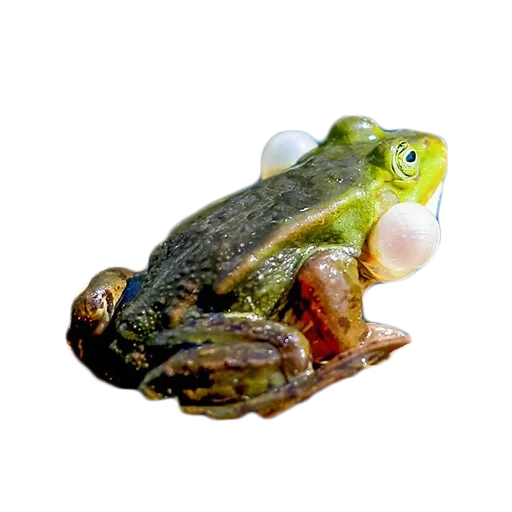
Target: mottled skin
x: 255, y: 302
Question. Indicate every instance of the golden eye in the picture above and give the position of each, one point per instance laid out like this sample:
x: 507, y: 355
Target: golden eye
x: 405, y: 162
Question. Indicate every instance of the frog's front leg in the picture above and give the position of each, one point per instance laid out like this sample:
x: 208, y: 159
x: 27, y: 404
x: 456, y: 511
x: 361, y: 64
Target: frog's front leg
x: 227, y: 360
x: 325, y: 303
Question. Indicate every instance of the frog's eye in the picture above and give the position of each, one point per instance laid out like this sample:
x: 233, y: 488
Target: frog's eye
x: 405, y: 161
x: 410, y: 157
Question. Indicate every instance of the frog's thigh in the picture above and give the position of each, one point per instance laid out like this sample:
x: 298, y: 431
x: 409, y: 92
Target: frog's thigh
x: 325, y: 303
x: 234, y: 359
x: 378, y: 343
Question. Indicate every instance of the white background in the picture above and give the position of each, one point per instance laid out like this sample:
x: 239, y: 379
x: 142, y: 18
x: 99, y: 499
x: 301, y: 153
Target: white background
x: 480, y: 159
x: 118, y: 119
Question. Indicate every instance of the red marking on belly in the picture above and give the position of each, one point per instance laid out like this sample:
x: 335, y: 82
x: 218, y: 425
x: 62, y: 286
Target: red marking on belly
x: 312, y: 321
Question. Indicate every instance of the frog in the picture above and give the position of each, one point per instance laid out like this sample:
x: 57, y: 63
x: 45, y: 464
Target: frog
x: 254, y: 303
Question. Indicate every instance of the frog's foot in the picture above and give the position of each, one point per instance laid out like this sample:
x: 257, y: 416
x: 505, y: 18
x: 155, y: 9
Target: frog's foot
x: 377, y: 345
x: 227, y: 360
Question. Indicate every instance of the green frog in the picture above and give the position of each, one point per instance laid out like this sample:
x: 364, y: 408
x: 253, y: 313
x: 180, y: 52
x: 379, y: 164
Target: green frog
x: 255, y: 302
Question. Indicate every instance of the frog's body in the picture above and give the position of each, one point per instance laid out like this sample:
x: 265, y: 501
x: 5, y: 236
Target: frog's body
x: 259, y: 235
x: 256, y: 257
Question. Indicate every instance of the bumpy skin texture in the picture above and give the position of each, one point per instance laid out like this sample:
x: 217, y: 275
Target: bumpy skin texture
x: 206, y: 252
x: 242, y: 278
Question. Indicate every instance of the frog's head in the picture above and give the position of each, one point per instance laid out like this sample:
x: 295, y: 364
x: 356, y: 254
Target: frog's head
x: 407, y: 165
x: 401, y: 166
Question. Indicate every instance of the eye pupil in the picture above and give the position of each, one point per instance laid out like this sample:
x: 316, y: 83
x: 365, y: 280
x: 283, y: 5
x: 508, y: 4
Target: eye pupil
x: 410, y: 157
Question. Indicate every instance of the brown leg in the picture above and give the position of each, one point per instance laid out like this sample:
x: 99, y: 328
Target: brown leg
x: 227, y: 360
x: 379, y: 342
x: 325, y: 303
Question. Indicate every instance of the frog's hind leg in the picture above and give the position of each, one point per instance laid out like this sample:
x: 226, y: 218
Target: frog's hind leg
x: 378, y: 343
x: 226, y: 361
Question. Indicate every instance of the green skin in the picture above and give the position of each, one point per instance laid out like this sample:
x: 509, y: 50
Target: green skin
x: 213, y: 320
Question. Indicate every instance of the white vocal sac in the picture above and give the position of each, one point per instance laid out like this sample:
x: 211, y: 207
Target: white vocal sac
x: 283, y: 150
x: 404, y: 238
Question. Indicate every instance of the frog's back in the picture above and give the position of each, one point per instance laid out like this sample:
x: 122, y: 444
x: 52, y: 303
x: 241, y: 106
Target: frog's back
x: 212, y: 244
x: 216, y: 248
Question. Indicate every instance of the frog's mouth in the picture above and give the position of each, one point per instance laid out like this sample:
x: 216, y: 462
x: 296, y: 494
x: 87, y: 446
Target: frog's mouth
x: 433, y: 173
